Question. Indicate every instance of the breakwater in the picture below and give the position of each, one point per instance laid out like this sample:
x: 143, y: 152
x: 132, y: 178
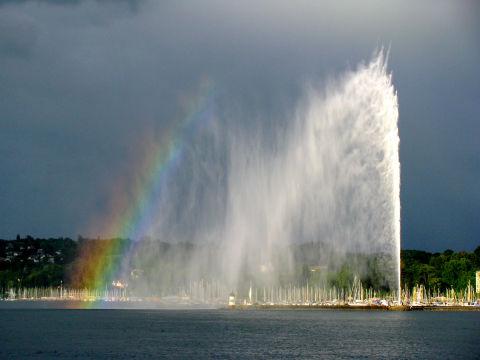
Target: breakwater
x: 362, y: 307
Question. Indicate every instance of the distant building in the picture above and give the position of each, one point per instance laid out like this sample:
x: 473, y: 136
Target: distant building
x: 477, y: 288
x: 118, y: 284
x: 231, y: 299
x: 318, y: 268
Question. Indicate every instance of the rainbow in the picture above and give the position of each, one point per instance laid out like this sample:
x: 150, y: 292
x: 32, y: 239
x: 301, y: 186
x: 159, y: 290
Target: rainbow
x: 133, y: 205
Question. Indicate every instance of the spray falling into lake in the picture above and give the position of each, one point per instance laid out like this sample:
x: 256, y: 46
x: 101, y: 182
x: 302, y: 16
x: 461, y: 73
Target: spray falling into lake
x: 333, y: 178
x: 325, y: 181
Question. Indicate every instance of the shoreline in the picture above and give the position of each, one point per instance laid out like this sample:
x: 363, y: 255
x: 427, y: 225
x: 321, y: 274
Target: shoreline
x: 456, y: 308
x: 151, y: 305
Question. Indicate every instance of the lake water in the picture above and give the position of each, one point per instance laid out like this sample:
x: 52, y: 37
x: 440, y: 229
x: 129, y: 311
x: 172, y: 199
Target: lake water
x: 219, y: 334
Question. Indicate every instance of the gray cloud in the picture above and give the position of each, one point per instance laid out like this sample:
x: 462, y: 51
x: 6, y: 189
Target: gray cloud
x: 17, y: 36
x: 80, y: 84
x: 132, y: 3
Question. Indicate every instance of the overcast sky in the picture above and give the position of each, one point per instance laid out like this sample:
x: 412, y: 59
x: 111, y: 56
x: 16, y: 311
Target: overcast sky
x: 80, y: 80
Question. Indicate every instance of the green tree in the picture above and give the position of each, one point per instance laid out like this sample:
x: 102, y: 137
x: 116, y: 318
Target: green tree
x: 456, y: 273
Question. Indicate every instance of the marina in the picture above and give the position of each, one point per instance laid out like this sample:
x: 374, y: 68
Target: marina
x: 212, y: 295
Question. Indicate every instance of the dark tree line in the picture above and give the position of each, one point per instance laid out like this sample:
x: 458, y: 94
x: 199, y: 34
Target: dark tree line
x: 33, y: 262
x: 440, y: 270
x: 29, y: 262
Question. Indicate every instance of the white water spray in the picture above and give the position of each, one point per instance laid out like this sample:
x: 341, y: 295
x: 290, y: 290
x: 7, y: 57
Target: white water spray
x: 330, y: 175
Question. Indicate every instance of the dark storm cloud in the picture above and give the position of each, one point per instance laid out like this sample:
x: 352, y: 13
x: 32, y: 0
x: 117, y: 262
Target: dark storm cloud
x: 16, y: 38
x: 132, y: 3
x: 81, y: 80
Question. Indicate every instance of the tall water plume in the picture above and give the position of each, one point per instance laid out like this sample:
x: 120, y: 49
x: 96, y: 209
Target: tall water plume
x: 250, y: 194
x: 332, y: 177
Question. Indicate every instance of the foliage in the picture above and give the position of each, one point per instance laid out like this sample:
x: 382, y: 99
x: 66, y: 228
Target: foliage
x: 440, y: 270
x: 29, y: 262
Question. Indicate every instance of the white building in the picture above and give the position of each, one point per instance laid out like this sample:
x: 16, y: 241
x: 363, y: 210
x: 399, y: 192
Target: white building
x: 231, y: 299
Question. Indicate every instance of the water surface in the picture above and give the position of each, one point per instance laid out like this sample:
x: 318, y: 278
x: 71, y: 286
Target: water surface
x: 193, y: 334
